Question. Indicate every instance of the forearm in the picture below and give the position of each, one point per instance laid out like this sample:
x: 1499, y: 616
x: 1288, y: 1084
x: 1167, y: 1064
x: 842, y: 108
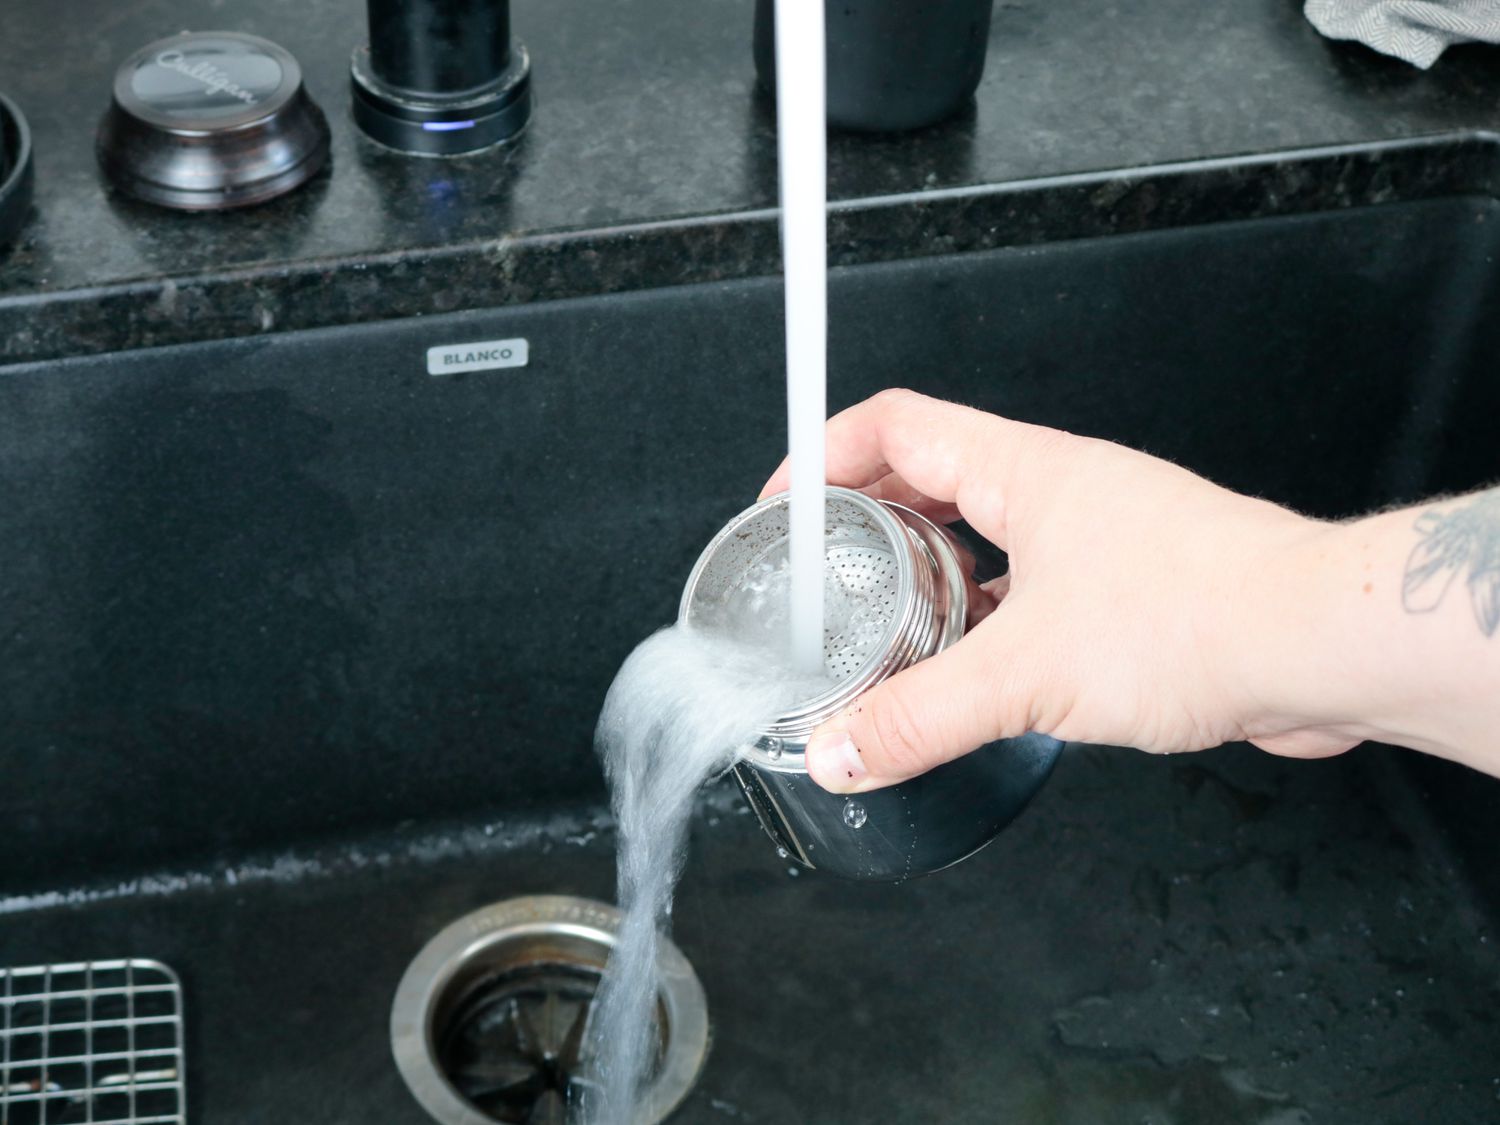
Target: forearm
x: 1388, y: 628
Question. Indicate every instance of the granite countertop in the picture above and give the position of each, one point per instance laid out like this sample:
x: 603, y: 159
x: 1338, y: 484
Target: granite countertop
x: 650, y: 160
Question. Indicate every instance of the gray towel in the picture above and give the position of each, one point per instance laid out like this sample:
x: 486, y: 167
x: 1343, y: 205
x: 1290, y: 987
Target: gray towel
x: 1415, y: 30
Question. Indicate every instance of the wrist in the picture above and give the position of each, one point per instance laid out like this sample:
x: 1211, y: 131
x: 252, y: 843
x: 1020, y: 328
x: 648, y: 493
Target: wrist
x: 1271, y: 633
x: 1332, y: 658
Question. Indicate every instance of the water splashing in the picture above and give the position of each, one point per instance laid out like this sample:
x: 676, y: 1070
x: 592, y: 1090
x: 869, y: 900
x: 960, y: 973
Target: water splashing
x: 681, y: 708
x: 685, y: 702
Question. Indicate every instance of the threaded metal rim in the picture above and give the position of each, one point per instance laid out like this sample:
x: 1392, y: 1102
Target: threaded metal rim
x: 929, y: 605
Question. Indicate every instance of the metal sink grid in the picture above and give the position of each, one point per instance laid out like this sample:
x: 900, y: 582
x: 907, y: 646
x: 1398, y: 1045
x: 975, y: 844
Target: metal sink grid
x: 91, y: 1043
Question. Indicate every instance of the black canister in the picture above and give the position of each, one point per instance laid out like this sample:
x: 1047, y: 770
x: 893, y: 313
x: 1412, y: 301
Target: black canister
x: 892, y: 64
x: 441, y: 77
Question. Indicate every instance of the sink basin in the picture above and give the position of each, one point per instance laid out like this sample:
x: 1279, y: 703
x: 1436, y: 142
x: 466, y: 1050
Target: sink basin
x: 303, y: 647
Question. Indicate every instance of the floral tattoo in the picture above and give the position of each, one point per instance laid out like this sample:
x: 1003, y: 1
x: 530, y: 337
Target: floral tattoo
x: 1463, y: 540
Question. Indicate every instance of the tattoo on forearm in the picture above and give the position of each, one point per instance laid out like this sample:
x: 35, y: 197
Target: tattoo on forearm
x: 1463, y: 540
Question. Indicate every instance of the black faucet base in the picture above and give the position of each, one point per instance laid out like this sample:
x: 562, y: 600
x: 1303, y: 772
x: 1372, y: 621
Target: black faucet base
x: 428, y: 124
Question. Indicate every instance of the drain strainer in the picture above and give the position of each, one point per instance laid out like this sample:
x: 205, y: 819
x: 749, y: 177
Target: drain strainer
x: 95, y: 1042
x: 488, y: 1022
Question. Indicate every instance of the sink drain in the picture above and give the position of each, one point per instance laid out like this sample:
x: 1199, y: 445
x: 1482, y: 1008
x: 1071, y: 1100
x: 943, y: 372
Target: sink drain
x: 488, y: 1022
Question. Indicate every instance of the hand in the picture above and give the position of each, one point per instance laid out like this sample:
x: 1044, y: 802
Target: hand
x: 1121, y: 620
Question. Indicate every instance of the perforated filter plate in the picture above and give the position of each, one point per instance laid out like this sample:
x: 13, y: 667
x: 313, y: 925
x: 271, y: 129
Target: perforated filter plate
x: 863, y: 576
x: 860, y: 601
x: 893, y: 588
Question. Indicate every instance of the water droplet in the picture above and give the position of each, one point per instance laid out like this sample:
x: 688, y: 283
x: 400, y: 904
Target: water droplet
x: 774, y: 749
x: 793, y: 872
x: 854, y: 814
x: 782, y: 852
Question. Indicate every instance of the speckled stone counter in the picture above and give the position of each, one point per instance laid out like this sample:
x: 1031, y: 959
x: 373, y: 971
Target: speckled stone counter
x: 651, y: 161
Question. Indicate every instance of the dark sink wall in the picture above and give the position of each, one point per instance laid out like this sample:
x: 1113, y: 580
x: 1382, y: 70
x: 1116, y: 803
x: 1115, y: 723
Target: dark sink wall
x: 264, y: 591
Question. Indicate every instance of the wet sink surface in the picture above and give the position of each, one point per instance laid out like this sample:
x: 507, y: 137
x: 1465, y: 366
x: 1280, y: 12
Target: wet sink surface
x: 303, y: 649
x: 1228, y: 938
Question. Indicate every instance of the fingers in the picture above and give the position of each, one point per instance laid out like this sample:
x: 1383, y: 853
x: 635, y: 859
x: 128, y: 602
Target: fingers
x: 985, y: 598
x: 944, y: 461
x: 897, y: 491
x: 949, y: 454
x: 935, y: 711
x: 779, y: 481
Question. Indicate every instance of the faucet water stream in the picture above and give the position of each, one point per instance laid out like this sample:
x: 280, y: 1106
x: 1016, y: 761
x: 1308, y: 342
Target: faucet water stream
x: 686, y: 702
x: 801, y: 136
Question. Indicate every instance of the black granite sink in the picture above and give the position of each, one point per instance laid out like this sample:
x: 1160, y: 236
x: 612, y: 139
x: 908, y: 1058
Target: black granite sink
x: 303, y: 647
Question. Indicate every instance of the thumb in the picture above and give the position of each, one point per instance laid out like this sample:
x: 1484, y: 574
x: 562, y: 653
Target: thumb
x: 931, y: 713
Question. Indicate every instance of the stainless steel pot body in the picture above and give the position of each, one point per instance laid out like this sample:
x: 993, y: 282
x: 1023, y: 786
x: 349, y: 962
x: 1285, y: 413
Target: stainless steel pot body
x: 909, y: 588
x: 914, y: 828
